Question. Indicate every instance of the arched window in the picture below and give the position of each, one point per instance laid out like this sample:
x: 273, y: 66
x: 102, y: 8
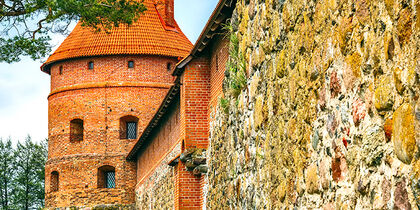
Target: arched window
x: 106, y: 177
x: 76, y: 130
x: 54, y: 181
x: 128, y: 127
x: 90, y: 65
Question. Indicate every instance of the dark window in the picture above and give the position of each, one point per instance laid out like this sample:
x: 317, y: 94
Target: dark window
x: 106, y: 177
x: 110, y: 179
x: 90, y: 65
x: 130, y: 64
x: 131, y: 130
x: 76, y: 130
x: 61, y: 70
x: 54, y: 181
x: 128, y: 127
x: 169, y: 66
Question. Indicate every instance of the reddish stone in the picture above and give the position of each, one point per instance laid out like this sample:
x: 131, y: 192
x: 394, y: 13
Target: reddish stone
x: 335, y: 85
x: 338, y: 166
x: 388, y: 129
x: 345, y: 142
x: 401, y: 197
x: 322, y: 100
x: 359, y: 111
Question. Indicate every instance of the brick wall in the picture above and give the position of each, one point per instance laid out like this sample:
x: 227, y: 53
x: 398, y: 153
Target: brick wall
x: 219, y: 57
x: 99, y: 97
x: 161, y: 143
x: 194, y: 103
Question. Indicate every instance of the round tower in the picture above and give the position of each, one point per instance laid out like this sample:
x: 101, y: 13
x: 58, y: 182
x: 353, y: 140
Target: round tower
x: 105, y: 88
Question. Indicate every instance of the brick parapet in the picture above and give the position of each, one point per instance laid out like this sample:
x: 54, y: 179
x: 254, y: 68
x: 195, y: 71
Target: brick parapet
x: 194, y: 103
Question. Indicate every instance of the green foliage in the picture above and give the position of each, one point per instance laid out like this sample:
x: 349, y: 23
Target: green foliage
x: 29, y: 181
x: 224, y: 104
x: 236, y: 66
x: 6, y: 172
x: 12, y: 49
x: 25, y: 24
x: 22, y: 174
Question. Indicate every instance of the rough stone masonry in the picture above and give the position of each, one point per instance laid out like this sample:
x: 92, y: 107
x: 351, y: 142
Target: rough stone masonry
x: 329, y: 116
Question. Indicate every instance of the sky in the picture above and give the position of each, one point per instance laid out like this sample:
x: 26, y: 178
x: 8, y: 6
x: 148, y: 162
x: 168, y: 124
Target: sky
x: 24, y: 88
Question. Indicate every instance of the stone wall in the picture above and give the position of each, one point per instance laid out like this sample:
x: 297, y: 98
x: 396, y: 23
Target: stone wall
x: 157, y: 190
x: 329, y: 115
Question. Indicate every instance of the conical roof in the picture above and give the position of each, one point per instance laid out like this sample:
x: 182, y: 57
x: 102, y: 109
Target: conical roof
x: 148, y: 36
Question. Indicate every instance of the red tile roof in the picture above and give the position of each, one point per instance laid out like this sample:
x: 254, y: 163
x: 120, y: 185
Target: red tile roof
x: 148, y: 36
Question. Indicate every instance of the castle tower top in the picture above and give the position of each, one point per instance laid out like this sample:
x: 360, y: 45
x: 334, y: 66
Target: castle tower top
x: 155, y: 33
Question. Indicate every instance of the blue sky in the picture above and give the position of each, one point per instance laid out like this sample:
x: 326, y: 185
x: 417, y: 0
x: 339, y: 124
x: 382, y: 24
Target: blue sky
x: 24, y: 88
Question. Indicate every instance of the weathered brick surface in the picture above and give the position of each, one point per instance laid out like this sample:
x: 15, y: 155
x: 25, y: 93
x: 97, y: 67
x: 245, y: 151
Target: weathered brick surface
x: 99, y: 97
x: 219, y: 56
x: 195, y: 98
x: 160, y: 144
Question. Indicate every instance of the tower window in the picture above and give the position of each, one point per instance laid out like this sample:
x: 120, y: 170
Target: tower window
x: 106, y: 177
x: 169, y: 66
x: 130, y: 64
x: 110, y: 179
x: 76, y: 130
x: 131, y: 130
x: 128, y: 127
x: 61, y: 70
x: 54, y: 181
x: 90, y: 65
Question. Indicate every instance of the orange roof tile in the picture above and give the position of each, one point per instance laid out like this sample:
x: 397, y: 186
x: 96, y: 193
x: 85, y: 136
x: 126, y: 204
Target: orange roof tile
x: 148, y: 36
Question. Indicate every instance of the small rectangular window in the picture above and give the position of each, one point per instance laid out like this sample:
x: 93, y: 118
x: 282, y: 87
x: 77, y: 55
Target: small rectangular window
x: 110, y: 179
x: 131, y: 130
x: 90, y: 65
x: 130, y: 64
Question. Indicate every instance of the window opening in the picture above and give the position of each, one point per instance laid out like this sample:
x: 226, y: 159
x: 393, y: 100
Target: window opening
x: 110, y: 179
x: 54, y: 181
x: 128, y: 127
x: 90, y: 65
x: 131, y: 130
x: 76, y: 130
x: 106, y: 177
x: 130, y: 64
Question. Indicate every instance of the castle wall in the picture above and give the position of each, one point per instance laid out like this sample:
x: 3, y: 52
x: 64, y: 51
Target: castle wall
x: 194, y: 103
x: 160, y: 143
x: 329, y: 116
x: 99, y: 97
x: 219, y: 54
x: 156, y: 186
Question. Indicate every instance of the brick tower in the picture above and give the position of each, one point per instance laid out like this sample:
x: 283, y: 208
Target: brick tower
x: 105, y: 88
